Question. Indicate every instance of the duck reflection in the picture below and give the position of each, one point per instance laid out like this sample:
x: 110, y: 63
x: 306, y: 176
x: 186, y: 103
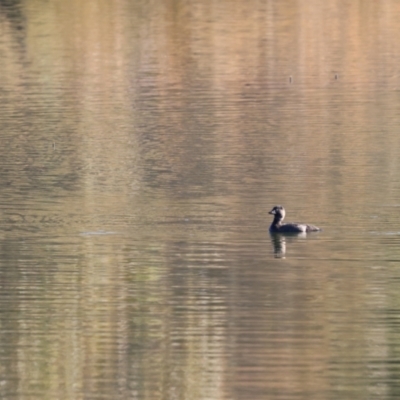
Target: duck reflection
x: 279, y: 242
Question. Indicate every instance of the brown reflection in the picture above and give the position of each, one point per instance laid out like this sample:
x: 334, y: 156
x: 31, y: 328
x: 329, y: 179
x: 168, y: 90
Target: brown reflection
x: 279, y: 242
x: 279, y: 245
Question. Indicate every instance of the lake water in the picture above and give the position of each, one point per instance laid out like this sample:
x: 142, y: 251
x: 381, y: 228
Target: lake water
x: 143, y: 144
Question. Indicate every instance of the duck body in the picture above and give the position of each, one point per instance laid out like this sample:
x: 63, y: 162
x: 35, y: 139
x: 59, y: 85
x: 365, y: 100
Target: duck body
x: 278, y: 226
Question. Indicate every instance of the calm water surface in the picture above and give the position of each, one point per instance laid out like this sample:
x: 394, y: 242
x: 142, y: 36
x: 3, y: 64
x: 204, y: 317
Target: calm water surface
x: 143, y: 144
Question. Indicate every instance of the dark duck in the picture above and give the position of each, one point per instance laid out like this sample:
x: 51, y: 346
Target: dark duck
x: 278, y: 226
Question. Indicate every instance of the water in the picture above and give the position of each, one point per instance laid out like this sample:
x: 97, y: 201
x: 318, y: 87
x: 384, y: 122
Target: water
x: 143, y: 145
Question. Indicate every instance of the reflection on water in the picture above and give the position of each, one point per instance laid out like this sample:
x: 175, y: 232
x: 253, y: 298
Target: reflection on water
x: 279, y: 244
x: 279, y: 241
x: 142, y: 145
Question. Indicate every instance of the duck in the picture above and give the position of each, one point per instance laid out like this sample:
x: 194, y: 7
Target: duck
x: 278, y: 227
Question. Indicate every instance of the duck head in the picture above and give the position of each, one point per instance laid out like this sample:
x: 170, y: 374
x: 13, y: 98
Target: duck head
x: 278, y: 212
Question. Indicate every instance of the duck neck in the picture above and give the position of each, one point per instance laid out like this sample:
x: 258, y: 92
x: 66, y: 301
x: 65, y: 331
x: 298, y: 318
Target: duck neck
x: 277, y: 220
